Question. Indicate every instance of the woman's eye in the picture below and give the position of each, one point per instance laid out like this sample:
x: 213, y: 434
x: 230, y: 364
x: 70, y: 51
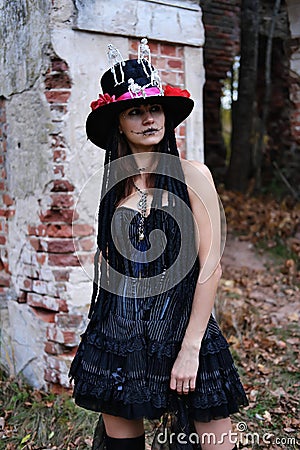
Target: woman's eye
x: 155, y: 108
x: 134, y: 112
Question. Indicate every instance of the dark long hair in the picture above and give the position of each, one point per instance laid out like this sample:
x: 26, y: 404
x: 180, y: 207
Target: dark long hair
x: 113, y: 191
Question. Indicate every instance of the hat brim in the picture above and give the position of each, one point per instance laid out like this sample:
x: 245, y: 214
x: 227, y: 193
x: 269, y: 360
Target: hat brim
x: 99, y: 121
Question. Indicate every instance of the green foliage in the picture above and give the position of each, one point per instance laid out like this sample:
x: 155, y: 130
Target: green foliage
x: 276, y: 188
x: 36, y: 419
x: 279, y: 251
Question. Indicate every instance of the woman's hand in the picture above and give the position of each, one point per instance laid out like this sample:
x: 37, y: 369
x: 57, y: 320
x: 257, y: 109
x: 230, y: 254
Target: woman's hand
x: 184, y: 371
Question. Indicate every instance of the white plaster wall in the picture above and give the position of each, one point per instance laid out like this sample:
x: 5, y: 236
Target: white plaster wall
x: 24, y: 37
x: 195, y: 78
x: 28, y: 170
x: 24, y: 34
x: 168, y: 21
x: 24, y: 343
x: 6, y: 357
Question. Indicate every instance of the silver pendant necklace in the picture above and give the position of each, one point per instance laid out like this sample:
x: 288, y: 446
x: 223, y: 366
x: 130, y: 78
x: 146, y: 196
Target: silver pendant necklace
x: 142, y: 207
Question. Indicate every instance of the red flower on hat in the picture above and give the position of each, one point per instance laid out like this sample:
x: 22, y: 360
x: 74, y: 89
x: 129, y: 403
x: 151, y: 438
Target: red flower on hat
x: 103, y: 99
x: 175, y: 92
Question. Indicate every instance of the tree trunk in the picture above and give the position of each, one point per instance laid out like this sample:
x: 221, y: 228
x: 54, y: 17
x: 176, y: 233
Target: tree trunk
x: 243, y: 110
x: 266, y: 100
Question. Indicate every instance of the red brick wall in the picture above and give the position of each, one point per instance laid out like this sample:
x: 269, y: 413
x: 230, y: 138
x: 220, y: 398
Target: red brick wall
x: 56, y: 241
x: 222, y: 27
x: 169, y: 60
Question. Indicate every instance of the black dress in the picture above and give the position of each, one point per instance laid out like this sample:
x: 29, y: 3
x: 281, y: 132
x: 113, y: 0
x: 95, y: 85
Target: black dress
x: 123, y: 363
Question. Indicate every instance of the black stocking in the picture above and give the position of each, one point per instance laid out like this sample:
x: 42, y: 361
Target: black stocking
x: 137, y: 443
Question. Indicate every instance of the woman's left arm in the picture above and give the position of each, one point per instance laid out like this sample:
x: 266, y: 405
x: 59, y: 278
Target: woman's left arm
x: 206, y: 212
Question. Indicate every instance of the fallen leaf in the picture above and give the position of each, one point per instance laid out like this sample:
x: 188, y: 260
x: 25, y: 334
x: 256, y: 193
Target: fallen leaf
x: 295, y: 422
x: 281, y: 344
x: 263, y: 369
x: 253, y: 395
x: 279, y: 392
x: 278, y: 411
x: 267, y: 416
x: 233, y: 340
x: 228, y: 283
x: 293, y: 317
x: 25, y: 439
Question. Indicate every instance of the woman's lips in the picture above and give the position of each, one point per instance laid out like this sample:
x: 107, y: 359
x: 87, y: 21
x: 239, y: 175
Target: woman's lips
x: 147, y: 132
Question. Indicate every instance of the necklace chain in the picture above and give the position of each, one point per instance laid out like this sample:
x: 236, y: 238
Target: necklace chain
x: 142, y: 206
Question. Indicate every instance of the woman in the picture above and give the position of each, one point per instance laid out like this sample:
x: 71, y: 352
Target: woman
x: 152, y: 348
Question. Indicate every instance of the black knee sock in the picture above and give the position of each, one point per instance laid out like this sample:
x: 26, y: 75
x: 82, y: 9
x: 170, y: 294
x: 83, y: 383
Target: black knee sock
x: 137, y: 443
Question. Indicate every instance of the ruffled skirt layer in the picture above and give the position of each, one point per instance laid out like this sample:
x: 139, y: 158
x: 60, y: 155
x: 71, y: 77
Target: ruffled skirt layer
x: 124, y: 369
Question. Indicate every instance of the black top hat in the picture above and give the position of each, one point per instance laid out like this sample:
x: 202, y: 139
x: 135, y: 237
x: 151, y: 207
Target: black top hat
x: 129, y: 83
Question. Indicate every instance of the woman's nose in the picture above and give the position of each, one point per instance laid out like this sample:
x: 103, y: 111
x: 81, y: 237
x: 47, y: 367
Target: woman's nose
x: 147, y: 116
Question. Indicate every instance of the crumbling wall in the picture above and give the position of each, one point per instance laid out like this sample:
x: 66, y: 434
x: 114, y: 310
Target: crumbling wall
x: 41, y: 277
x: 24, y: 34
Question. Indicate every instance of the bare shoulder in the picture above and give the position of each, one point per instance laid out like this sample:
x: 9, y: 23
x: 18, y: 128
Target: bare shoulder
x: 189, y: 166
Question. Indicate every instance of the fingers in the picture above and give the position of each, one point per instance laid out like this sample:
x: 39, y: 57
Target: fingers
x: 183, y: 386
x: 173, y: 383
x: 192, y: 384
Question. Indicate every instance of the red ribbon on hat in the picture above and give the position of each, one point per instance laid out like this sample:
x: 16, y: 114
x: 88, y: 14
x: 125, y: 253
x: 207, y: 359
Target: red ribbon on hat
x: 171, y: 91
x: 103, y: 99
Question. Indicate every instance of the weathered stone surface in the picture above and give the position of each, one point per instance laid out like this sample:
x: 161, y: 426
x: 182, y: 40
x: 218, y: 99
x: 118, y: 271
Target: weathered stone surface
x: 27, y: 340
x: 6, y: 356
x: 157, y: 20
x: 28, y: 153
x: 24, y: 35
x: 293, y: 7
